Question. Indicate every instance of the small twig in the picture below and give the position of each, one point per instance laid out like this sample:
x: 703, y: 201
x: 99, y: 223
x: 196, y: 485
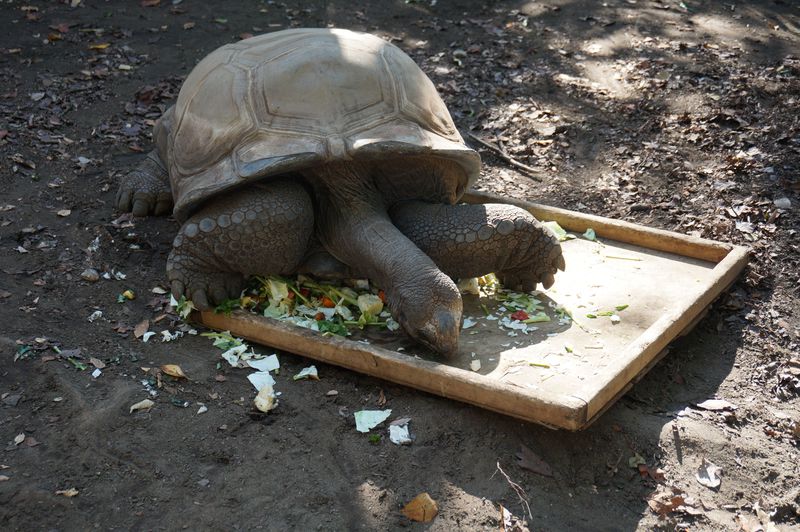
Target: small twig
x: 677, y: 438
x: 523, y: 497
x: 530, y: 172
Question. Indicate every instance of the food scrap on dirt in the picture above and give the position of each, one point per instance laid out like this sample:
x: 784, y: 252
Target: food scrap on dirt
x: 367, y: 420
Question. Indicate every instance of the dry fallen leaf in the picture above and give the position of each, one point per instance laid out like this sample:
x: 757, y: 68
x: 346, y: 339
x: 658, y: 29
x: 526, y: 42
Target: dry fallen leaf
x: 421, y: 508
x: 531, y: 461
x: 145, y: 404
x: 716, y: 404
x: 141, y: 328
x: 708, y: 475
x: 71, y: 492
x: 174, y: 370
x: 96, y: 362
x: 663, y: 504
x: 99, y: 46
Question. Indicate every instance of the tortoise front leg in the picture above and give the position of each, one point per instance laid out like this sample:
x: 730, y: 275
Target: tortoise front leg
x: 263, y: 229
x: 472, y: 240
x: 145, y: 190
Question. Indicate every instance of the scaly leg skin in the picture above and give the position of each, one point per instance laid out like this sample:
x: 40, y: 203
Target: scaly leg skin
x: 262, y: 229
x: 355, y: 228
x: 472, y: 240
x: 145, y: 190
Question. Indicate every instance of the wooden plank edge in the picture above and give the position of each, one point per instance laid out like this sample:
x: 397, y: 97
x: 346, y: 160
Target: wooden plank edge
x: 625, y: 389
x: 658, y: 336
x: 566, y: 411
x: 621, y: 231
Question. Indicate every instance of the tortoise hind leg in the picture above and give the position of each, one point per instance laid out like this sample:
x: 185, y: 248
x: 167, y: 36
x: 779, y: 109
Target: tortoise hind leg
x: 145, y: 190
x: 473, y: 240
x: 262, y: 229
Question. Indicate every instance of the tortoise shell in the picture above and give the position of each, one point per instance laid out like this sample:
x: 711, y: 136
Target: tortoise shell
x: 290, y: 100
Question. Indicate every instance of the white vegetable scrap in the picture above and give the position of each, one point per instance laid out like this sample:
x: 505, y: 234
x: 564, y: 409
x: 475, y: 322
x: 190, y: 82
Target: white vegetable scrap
x: 516, y: 325
x: 399, y: 434
x: 370, y: 304
x: 369, y: 419
x: 307, y: 373
x: 167, y: 336
x: 469, y: 286
x: 259, y: 379
x: 146, y: 336
x: 95, y: 315
x: 468, y: 323
x: 269, y: 363
x: 344, y: 312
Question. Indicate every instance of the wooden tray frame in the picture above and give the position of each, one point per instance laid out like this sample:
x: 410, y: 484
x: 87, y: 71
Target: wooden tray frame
x: 564, y: 411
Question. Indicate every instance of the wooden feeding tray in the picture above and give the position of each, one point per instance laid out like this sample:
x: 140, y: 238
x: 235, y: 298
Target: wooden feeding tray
x: 563, y: 373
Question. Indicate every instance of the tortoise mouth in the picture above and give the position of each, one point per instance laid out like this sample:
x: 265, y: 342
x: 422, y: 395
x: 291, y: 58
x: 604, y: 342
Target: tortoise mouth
x: 440, y: 334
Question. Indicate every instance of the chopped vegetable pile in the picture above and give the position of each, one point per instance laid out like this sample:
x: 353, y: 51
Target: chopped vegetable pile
x: 327, y: 308
x: 336, y: 309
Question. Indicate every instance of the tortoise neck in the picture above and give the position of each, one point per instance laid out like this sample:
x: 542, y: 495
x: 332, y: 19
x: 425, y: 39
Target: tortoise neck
x: 354, y: 226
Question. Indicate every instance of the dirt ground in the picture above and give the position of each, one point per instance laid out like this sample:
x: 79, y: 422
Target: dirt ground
x: 678, y: 115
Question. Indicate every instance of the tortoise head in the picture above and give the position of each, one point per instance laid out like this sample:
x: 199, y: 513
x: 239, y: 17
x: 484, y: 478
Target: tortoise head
x: 429, y: 310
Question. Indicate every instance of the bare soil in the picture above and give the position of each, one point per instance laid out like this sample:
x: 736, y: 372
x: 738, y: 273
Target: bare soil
x: 679, y: 115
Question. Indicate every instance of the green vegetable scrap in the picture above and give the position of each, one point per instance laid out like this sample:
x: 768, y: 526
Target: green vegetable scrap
x: 227, y: 306
x: 77, y: 363
x: 559, y: 231
x: 589, y: 234
x: 608, y: 313
x: 331, y: 327
x: 223, y: 340
x: 537, y: 318
x: 183, y: 306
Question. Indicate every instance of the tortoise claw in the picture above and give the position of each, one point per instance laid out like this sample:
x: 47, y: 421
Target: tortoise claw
x: 200, y: 300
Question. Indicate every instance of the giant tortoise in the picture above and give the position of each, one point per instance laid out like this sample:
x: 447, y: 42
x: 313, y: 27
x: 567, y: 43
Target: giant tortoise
x: 329, y: 152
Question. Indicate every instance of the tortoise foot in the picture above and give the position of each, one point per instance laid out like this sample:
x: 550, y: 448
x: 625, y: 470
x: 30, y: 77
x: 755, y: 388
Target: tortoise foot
x: 543, y: 259
x: 206, y: 289
x: 473, y: 240
x: 145, y: 190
